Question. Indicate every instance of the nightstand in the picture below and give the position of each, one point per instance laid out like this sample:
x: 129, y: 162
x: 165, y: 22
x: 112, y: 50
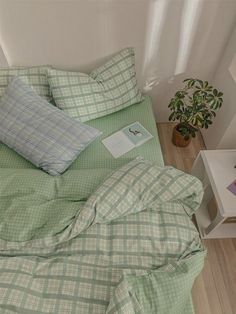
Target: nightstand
x: 216, y: 217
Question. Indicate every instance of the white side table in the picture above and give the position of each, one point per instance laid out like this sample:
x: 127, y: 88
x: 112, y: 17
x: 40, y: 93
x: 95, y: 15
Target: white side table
x: 215, y: 168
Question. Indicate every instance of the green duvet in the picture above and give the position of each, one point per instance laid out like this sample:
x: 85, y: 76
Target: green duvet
x: 120, y: 242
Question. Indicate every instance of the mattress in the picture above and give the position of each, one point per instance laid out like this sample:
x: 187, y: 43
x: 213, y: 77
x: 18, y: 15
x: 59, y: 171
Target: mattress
x: 96, y: 155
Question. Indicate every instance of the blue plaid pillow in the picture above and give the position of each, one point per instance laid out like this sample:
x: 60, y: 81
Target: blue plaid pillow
x: 40, y: 132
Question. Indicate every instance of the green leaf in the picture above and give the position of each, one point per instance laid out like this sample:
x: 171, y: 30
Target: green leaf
x: 172, y: 116
x: 215, y: 92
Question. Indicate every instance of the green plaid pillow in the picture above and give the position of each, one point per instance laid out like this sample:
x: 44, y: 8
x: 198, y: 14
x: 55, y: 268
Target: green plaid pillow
x: 109, y: 88
x: 36, y: 77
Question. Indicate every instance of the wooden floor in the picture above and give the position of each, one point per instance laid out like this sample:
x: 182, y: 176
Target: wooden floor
x: 214, y: 291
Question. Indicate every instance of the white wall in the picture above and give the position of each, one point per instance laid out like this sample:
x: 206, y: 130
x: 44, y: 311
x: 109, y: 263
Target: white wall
x: 228, y: 141
x: 3, y: 60
x: 222, y: 134
x: 173, y: 39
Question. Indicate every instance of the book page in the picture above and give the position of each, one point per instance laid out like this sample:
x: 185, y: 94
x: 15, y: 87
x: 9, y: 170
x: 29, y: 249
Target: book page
x: 118, y: 144
x: 137, y: 134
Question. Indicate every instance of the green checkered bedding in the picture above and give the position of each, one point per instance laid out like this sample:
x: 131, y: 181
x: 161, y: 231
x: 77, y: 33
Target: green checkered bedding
x: 126, y: 245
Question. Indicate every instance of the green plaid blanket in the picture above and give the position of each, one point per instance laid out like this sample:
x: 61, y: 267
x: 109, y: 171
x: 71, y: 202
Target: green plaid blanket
x: 73, y: 245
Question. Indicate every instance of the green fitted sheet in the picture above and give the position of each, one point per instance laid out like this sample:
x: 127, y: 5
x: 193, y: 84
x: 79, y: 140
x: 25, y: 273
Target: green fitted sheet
x: 96, y: 155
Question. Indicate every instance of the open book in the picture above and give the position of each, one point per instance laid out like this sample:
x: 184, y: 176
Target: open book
x: 126, y: 139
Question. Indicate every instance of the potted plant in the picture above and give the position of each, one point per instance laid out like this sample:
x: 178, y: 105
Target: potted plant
x: 194, y: 107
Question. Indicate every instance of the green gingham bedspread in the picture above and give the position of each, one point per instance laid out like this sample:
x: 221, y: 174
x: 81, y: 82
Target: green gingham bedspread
x: 127, y: 246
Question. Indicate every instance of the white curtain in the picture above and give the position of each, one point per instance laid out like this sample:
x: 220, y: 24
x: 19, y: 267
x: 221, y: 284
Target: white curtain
x: 185, y: 38
x: 173, y: 39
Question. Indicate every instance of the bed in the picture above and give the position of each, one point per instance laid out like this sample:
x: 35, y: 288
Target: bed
x: 81, y: 231
x: 128, y: 260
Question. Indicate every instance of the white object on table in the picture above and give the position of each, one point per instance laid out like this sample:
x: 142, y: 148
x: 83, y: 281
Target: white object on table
x: 215, y: 168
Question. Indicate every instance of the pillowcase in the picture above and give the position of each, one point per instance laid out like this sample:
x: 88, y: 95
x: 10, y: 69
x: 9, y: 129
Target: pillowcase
x: 109, y: 88
x: 36, y: 77
x: 40, y: 132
